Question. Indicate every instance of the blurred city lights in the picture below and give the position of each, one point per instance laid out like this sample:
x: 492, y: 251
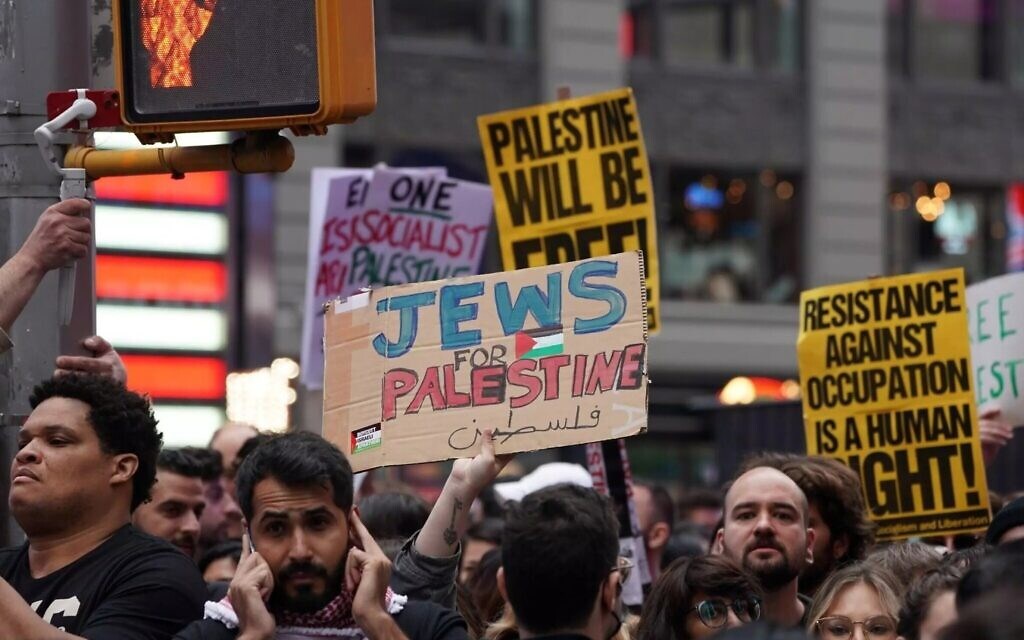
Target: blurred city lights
x: 262, y: 397
x: 930, y: 208
x: 790, y: 389
x: 899, y: 201
x: 747, y: 390
x: 739, y: 390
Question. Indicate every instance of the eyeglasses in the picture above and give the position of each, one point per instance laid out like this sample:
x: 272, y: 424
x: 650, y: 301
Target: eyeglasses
x: 714, y: 612
x: 841, y: 627
x: 624, y: 566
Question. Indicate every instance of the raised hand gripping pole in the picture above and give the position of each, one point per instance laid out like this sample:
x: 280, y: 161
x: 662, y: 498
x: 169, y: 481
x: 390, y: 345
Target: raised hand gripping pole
x: 73, y: 185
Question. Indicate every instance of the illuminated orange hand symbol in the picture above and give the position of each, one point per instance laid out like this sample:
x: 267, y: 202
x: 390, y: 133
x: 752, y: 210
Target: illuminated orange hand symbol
x: 170, y: 29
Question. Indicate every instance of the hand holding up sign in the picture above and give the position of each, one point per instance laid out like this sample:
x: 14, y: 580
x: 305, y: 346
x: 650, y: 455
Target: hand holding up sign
x: 449, y: 518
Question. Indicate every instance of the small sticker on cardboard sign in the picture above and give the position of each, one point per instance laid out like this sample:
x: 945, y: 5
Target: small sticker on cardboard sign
x: 366, y: 439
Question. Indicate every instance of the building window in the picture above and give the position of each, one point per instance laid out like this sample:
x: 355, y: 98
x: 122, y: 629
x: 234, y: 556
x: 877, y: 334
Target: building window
x: 945, y: 39
x: 642, y: 30
x: 897, y: 34
x: 1015, y: 28
x: 784, y: 24
x: 939, y: 226
x: 450, y: 20
x: 517, y: 24
x: 710, y: 33
x: 509, y: 24
x: 731, y: 237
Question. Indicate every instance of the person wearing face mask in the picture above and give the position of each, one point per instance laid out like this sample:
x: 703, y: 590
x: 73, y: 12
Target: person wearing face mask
x: 699, y: 597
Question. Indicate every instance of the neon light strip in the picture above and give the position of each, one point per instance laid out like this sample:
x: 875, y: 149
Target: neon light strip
x: 145, y: 278
x: 162, y: 328
x: 165, y: 230
x: 195, y: 189
x: 177, y: 377
x: 187, y: 425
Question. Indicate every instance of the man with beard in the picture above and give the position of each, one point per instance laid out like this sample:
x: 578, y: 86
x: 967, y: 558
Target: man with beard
x: 766, y: 530
x: 842, y: 531
x: 312, y: 570
x: 176, y: 502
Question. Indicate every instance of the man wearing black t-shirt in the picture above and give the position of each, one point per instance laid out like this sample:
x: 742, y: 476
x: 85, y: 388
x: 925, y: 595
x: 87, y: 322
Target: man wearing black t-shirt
x: 86, y: 458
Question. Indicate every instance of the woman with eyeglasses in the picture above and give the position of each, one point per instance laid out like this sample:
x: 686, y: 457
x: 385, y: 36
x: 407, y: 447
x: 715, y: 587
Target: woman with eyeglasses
x: 698, y: 597
x: 857, y: 602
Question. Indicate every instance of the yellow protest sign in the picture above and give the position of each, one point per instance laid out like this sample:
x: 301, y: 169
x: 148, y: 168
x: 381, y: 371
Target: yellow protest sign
x: 571, y: 182
x: 885, y: 372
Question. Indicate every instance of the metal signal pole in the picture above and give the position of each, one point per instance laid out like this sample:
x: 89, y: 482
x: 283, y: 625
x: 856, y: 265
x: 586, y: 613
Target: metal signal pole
x: 44, y: 47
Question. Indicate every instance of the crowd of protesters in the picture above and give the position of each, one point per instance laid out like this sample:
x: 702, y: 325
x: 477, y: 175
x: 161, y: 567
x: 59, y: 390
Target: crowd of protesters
x: 264, y: 536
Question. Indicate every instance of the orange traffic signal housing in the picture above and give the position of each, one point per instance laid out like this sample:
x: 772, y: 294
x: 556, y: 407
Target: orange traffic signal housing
x: 218, y: 65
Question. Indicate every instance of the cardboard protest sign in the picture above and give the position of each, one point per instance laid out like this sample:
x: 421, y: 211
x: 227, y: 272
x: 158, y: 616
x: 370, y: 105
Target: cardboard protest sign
x: 571, y: 181
x: 995, y: 313
x: 384, y: 227
x: 885, y: 372
x: 544, y: 357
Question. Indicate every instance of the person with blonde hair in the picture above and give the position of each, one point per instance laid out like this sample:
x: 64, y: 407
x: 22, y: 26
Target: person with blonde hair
x: 858, y: 602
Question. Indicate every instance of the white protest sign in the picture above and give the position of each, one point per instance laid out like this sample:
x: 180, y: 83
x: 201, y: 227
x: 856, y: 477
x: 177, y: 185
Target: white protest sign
x: 384, y: 227
x: 424, y: 227
x: 330, y: 190
x: 995, y: 313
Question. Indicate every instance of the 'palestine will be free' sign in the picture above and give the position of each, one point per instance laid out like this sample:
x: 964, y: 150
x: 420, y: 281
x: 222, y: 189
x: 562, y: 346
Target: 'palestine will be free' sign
x: 571, y: 182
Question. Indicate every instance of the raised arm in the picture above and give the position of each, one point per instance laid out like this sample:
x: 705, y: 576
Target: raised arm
x: 449, y: 519
x: 61, y: 235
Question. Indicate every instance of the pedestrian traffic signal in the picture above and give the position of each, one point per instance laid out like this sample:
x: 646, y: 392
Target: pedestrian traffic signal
x: 213, y: 65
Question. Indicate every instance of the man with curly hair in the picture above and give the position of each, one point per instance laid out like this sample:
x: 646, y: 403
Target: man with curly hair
x: 86, y: 459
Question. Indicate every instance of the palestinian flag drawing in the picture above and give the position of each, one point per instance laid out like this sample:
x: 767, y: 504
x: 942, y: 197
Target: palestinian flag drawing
x: 538, y: 343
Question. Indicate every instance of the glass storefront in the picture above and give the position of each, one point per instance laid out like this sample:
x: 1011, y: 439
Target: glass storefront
x: 731, y: 236
x: 938, y: 225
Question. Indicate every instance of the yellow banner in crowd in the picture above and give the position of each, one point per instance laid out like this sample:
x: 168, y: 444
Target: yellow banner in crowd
x: 885, y: 372
x: 571, y: 182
